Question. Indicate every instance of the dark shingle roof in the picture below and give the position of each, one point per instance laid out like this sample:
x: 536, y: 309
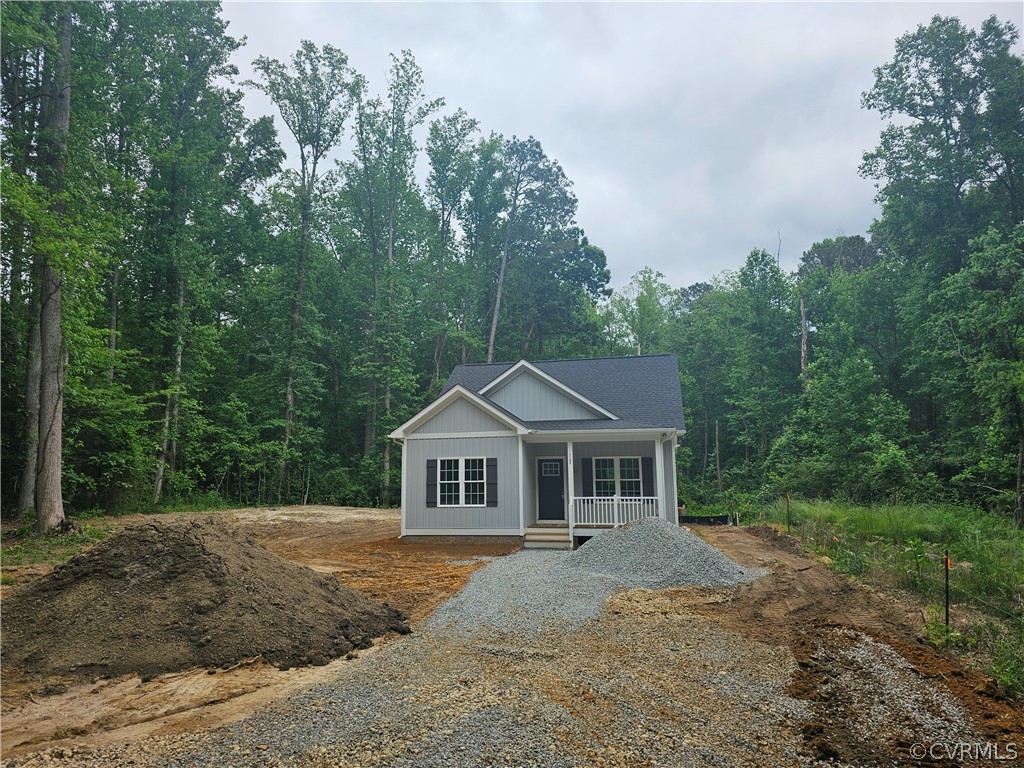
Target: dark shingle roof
x: 642, y: 391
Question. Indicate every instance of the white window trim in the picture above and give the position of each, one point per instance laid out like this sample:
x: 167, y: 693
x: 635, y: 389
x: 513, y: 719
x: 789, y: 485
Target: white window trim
x: 462, y: 481
x: 617, y: 466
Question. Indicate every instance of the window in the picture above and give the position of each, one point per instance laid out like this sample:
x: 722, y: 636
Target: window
x: 550, y: 469
x: 618, y: 477
x: 629, y: 477
x: 604, y: 477
x: 461, y: 483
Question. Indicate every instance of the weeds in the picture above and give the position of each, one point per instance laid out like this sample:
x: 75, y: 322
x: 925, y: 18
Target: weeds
x: 903, y: 546
x: 30, y: 548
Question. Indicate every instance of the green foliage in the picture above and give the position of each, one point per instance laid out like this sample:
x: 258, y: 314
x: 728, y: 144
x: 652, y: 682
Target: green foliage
x: 902, y: 546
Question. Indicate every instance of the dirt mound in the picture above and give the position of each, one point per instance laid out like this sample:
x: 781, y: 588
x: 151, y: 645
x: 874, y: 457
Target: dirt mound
x: 172, y: 595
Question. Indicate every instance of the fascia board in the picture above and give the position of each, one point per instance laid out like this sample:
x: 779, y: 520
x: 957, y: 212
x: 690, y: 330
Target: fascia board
x: 600, y: 435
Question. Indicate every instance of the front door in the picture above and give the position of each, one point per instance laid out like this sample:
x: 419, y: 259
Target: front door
x: 551, y: 489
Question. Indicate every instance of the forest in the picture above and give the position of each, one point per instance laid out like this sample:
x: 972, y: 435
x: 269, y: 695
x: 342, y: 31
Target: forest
x: 190, y: 317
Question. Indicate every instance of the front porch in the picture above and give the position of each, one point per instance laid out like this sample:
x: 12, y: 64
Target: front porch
x: 591, y: 515
x: 578, y: 488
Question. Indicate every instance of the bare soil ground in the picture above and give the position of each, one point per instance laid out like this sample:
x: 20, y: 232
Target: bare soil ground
x: 818, y: 615
x: 801, y: 610
x: 360, y: 546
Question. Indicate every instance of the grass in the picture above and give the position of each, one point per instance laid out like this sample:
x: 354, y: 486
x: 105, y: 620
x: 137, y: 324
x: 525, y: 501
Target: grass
x: 23, y: 546
x: 904, y: 546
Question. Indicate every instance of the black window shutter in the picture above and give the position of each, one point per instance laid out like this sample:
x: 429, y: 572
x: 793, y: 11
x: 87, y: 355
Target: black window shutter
x: 492, y: 482
x: 587, y: 468
x: 647, y: 475
x: 431, y: 482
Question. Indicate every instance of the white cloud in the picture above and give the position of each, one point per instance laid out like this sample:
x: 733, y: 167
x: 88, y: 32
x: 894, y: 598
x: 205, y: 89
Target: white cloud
x: 693, y: 132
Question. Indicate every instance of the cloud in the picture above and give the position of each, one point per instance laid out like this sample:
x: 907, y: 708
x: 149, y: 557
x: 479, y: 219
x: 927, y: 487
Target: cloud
x: 693, y: 132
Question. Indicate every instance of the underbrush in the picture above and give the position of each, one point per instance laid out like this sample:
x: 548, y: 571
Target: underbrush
x: 903, y: 547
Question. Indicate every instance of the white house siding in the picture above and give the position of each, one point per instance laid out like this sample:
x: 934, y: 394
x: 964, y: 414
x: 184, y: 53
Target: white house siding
x: 531, y: 399
x: 502, y: 519
x: 461, y: 417
x: 671, y: 492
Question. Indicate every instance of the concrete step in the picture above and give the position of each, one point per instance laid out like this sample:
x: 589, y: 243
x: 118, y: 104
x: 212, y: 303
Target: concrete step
x: 560, y: 544
x: 545, y: 537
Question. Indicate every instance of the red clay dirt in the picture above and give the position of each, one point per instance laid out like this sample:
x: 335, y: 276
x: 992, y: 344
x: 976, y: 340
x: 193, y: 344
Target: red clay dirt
x: 360, y: 547
x: 816, y: 613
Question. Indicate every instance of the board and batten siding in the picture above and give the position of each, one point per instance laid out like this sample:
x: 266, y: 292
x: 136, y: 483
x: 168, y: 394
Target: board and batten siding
x: 532, y: 400
x: 461, y: 416
x: 502, y: 519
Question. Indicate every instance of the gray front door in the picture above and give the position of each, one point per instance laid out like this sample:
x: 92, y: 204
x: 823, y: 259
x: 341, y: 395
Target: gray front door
x: 551, y: 489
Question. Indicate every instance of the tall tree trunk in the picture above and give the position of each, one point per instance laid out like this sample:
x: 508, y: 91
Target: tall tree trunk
x: 53, y: 156
x: 168, y: 440
x: 501, y: 276
x: 803, y: 340
x: 27, y: 488
x: 305, y: 213
x: 718, y: 460
x: 112, y: 338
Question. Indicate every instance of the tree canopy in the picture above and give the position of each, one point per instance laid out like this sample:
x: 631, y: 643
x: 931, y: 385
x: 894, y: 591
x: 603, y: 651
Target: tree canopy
x: 187, y: 312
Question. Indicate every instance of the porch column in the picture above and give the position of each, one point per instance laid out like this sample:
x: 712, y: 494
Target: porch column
x: 570, y: 513
x: 659, y: 468
x: 522, y: 487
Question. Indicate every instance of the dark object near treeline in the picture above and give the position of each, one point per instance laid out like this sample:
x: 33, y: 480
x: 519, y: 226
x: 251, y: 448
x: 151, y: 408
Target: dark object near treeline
x: 170, y: 595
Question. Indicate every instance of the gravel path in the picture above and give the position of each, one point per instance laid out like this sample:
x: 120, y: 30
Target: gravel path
x: 523, y: 668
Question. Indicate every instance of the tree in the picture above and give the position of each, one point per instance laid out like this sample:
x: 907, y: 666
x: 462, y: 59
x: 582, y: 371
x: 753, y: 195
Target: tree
x: 451, y: 166
x: 388, y: 212
x: 539, y: 204
x: 845, y: 435
x: 764, y: 379
x: 958, y: 134
x: 314, y: 98
x: 639, y: 314
x: 981, y: 326
x: 55, y: 121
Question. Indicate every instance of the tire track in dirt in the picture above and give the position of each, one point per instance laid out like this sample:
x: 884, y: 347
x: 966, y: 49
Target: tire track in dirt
x: 840, y: 633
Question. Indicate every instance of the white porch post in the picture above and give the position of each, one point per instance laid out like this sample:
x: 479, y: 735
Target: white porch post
x: 522, y: 487
x: 570, y: 513
x: 659, y: 463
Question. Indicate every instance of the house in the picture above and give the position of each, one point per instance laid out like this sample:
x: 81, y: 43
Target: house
x: 554, y: 450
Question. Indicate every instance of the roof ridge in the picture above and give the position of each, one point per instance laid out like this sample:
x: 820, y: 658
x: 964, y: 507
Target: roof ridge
x: 569, y: 360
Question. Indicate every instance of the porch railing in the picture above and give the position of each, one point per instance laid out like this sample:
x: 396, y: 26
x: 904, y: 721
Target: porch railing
x: 612, y: 510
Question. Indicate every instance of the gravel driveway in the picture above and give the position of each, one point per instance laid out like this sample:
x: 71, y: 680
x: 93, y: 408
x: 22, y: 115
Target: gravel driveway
x: 545, y: 659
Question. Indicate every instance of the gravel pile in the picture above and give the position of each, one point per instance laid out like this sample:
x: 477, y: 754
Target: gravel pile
x: 655, y: 554
x: 534, y: 590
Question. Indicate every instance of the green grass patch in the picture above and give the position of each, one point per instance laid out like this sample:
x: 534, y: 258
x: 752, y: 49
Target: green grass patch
x: 24, y: 546
x: 903, y: 547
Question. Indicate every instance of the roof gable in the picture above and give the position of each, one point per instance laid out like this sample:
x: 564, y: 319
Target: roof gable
x: 459, y: 410
x: 642, y: 392
x: 532, y: 394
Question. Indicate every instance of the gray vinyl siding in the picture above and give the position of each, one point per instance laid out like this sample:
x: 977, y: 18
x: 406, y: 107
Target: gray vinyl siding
x: 504, y: 516
x: 532, y: 400
x: 461, y: 416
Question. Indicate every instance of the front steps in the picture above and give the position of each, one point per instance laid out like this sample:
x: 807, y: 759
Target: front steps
x: 547, y: 536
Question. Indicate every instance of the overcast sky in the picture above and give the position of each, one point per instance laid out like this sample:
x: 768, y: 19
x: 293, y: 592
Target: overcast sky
x: 693, y: 132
